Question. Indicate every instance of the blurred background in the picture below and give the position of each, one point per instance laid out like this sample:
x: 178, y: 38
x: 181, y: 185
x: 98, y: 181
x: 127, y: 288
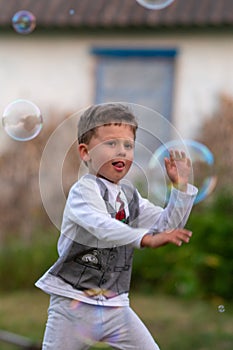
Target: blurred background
x: 176, y: 61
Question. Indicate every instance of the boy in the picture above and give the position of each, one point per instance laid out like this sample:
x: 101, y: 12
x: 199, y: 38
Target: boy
x: 103, y: 222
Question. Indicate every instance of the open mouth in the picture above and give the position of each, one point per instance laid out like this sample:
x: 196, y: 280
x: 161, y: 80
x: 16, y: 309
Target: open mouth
x: 119, y: 165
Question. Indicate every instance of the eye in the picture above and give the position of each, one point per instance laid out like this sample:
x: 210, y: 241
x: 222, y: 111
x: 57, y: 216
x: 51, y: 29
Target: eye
x: 111, y: 143
x: 128, y: 145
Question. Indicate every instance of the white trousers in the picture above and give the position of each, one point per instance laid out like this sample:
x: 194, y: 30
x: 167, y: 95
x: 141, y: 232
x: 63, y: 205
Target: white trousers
x: 73, y: 325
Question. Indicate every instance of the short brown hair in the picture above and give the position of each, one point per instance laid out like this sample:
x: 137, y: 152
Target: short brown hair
x: 104, y: 114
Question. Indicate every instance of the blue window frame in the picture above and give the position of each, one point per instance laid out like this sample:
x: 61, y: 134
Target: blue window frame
x: 134, y: 75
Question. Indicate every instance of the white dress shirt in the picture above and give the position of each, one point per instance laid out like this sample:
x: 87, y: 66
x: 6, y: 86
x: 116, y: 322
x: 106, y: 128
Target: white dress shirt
x: 85, y: 207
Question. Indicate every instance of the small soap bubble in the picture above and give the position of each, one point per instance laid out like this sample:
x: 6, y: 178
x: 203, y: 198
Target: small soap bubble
x: 24, y: 22
x: 22, y: 120
x: 221, y: 308
x: 202, y: 171
x: 72, y: 12
x: 155, y: 4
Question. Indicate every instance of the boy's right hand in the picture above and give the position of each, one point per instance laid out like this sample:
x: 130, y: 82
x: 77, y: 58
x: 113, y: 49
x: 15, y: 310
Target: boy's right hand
x: 175, y: 236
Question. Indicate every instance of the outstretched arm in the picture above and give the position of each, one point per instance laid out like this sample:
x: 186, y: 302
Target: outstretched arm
x: 176, y: 237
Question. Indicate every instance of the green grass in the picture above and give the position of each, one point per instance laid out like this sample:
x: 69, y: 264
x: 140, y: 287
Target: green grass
x: 175, y: 323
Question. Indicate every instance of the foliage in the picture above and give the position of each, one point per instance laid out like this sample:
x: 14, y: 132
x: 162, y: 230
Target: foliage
x: 21, y: 208
x: 23, y: 263
x: 204, y: 267
x: 216, y: 133
x: 214, y: 246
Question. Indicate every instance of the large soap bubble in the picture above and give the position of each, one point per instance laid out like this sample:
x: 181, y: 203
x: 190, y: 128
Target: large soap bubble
x: 154, y: 130
x: 202, y: 174
x: 24, y: 22
x: 22, y: 120
x: 155, y: 4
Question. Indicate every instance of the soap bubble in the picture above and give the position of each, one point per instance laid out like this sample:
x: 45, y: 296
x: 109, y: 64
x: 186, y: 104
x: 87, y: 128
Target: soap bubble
x: 24, y: 22
x: 72, y: 12
x: 202, y: 174
x: 154, y: 130
x: 221, y: 308
x: 155, y: 4
x: 22, y: 120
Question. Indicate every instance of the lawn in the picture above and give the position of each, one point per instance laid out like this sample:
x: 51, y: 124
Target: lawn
x: 175, y: 323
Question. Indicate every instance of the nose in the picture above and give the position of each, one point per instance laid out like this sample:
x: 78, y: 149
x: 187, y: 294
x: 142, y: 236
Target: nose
x: 121, y: 149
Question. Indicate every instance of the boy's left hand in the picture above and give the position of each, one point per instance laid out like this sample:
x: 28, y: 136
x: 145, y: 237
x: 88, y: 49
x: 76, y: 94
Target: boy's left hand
x: 178, y: 168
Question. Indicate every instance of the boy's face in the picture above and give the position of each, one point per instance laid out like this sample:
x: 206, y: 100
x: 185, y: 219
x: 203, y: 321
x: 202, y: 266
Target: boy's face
x: 110, y: 152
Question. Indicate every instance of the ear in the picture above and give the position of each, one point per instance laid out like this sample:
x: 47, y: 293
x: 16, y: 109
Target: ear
x: 83, y: 152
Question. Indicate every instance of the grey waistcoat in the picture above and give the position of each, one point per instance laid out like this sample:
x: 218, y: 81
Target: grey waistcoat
x: 96, y: 270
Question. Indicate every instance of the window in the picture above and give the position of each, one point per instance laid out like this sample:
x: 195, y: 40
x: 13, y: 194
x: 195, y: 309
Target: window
x: 142, y: 77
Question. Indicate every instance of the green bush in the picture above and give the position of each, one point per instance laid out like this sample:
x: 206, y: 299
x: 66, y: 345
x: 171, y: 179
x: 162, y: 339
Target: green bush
x: 204, y: 267
x: 213, y: 241
x: 22, y: 263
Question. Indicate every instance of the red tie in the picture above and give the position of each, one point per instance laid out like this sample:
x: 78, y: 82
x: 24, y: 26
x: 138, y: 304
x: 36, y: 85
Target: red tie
x: 120, y: 215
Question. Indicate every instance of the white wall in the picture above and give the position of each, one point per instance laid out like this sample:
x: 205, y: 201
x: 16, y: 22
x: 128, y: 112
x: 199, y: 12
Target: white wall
x: 54, y: 73
x: 57, y: 73
x: 205, y: 70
